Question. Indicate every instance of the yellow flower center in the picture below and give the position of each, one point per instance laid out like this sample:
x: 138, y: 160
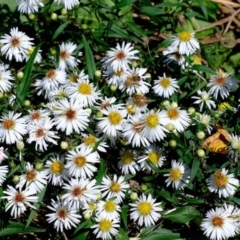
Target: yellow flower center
x: 85, y: 89
x: 115, y: 187
x: 80, y: 161
x: 91, y: 206
x: 73, y: 78
x: 62, y: 95
x: 127, y: 158
x: 173, y: 113
x: 56, y: 167
x: 197, y: 60
x: 175, y: 174
x: 153, y: 157
x: 90, y: 141
x: 131, y: 109
x: 165, y: 82
x: 110, y: 206
x: 118, y: 72
x: 220, y: 179
x: 144, y: 208
x: 184, y: 36
x: 152, y: 121
x: 217, y: 221
x: 114, y: 118
x: 105, y: 225
x: 8, y: 124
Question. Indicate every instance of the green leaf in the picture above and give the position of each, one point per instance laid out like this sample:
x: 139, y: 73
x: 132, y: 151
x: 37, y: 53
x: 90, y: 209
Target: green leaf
x: 36, y: 205
x: 123, y: 3
x: 235, y: 59
x: 124, y: 210
x: 162, y: 234
x: 122, y: 235
x: 101, y: 171
x: 182, y: 215
x: 202, y: 68
x: 82, y: 225
x: 152, y: 11
x: 195, y: 168
x: 168, y: 196
x: 203, y: 8
x: 59, y: 30
x: 91, y: 67
x: 199, y: 86
x: 14, y: 170
x: 16, y: 227
x: 81, y: 236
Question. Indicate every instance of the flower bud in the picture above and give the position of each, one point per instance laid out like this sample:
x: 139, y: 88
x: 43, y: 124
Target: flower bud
x: 200, y: 135
x: 64, y: 11
x: 20, y: 145
x: 113, y: 88
x: 38, y: 165
x: 99, y: 114
x: 144, y: 187
x: 98, y: 73
x: 87, y: 215
x: 174, y: 104
x: 16, y: 179
x: 191, y: 110
x: 64, y: 145
x: 54, y: 16
x: 170, y: 127
x: 20, y: 75
x: 27, y: 103
x: 201, y: 153
x: 172, y: 143
x: 133, y: 196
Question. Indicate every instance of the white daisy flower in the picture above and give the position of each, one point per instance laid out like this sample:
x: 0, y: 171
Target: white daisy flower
x: 132, y: 131
x: 74, y: 77
x: 234, y: 149
x: 113, y: 122
x: 165, y: 86
x: 5, y: 78
x: 15, y: 45
x: 104, y: 102
x: 151, y: 154
x: 204, y: 98
x: 173, y: 54
x: 3, y: 173
x: 41, y: 133
x: 36, y: 115
x: 138, y: 103
x: 205, y: 120
x: 2, y: 154
x: 108, y: 209
x: 63, y: 216
x: 84, y: 91
x: 222, y: 183
x: 66, y: 60
x: 178, y: 176
x: 80, y: 191
x: 29, y: 6
x: 51, y: 81
x: 80, y: 163
x: 145, y: 211
x: 68, y: 4
x: 58, y: 94
x: 19, y: 200
x: 127, y: 163
x: 218, y: 224
x: 114, y: 77
x: 179, y: 118
x: 33, y: 179
x: 106, y: 228
x: 120, y: 57
x: 56, y: 170
x: 70, y: 116
x: 185, y: 42
x: 114, y: 188
x: 221, y: 84
x: 12, y: 128
x: 152, y: 125
x: 133, y: 81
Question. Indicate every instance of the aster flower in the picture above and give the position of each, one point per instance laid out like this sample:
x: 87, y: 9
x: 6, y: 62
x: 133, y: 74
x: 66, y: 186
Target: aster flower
x: 15, y: 45
x: 36, y: 115
x: 114, y: 188
x: 3, y: 174
x: 127, y: 163
x: 63, y: 216
x: 151, y: 154
x: 185, y: 42
x: 56, y: 170
x: 222, y: 183
x: 29, y: 6
x: 19, y: 200
x: 79, y: 192
x: 152, y: 125
x: 218, y: 224
x: 66, y: 60
x: 5, y: 78
x: 120, y: 57
x: 178, y: 176
x: 114, y: 77
x: 33, y: 179
x: 165, y: 86
x: 12, y: 127
x: 70, y: 116
x: 75, y: 76
x: 2, y: 154
x: 41, y: 133
x: 173, y: 55
x: 145, y: 211
x: 204, y: 98
x: 205, y: 120
x: 108, y: 209
x: 113, y: 122
x: 138, y: 102
x: 58, y: 94
x: 104, y: 102
x: 80, y: 163
x: 84, y: 91
x: 68, y: 4
x: 106, y: 228
x: 179, y: 118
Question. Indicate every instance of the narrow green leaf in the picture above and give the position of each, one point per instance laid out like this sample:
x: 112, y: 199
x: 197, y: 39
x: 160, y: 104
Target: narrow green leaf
x: 16, y: 228
x: 82, y: 225
x: 136, y: 29
x: 81, y: 236
x: 202, y: 5
x: 168, y: 196
x: 14, y: 170
x: 182, y: 215
x: 202, y: 68
x: 182, y: 80
x: 152, y: 11
x: 91, y: 67
x: 59, y: 30
x: 199, y: 86
x: 124, y: 210
x: 162, y: 234
x: 122, y: 235
x: 124, y: 3
x: 101, y: 171
x: 195, y: 168
x: 36, y: 205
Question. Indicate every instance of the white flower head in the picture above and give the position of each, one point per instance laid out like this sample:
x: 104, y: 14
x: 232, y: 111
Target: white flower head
x: 68, y: 4
x: 29, y: 6
x: 5, y: 78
